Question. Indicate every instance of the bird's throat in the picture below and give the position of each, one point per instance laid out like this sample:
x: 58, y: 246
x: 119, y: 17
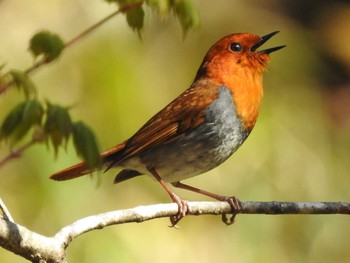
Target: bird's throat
x: 247, y: 93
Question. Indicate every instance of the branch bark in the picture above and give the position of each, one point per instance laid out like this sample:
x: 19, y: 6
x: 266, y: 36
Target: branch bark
x: 38, y: 248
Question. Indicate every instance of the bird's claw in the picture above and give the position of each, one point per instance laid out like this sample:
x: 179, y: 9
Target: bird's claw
x: 183, y: 210
x: 236, y: 207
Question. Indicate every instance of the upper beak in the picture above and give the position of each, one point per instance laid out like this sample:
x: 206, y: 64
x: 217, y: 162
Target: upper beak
x: 262, y: 40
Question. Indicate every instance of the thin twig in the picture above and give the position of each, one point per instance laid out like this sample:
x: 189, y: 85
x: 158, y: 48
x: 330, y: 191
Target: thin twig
x: 5, y: 86
x: 5, y: 211
x: 301, y: 208
x: 86, y: 32
x: 17, y: 152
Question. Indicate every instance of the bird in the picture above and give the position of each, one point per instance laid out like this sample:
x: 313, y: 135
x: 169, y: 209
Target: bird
x: 199, y: 129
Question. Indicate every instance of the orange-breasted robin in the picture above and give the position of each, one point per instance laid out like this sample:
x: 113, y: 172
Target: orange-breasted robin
x: 200, y: 128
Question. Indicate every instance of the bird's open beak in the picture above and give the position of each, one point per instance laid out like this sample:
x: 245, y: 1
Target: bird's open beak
x: 262, y: 40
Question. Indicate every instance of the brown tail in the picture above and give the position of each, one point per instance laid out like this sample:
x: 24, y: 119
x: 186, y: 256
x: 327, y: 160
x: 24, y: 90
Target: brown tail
x: 80, y: 169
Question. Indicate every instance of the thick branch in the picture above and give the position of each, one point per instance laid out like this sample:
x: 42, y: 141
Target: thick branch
x: 35, y: 247
x: 28, y: 244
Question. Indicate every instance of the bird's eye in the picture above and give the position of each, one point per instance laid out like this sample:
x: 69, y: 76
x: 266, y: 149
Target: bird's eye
x: 235, y: 47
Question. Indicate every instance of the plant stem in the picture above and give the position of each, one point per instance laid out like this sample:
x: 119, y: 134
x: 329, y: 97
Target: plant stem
x: 6, y: 85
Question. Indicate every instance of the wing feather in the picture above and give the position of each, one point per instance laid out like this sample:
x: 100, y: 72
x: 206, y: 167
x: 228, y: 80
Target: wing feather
x: 182, y: 115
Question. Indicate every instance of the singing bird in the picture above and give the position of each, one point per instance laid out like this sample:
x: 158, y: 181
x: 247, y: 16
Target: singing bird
x: 200, y: 128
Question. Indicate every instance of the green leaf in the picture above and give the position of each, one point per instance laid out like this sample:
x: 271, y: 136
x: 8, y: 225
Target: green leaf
x: 134, y: 15
x: 187, y: 13
x: 11, y: 121
x: 85, y: 144
x: 135, y: 19
x: 46, y: 44
x: 19, y: 121
x: 161, y: 6
x: 58, y: 125
x: 22, y: 81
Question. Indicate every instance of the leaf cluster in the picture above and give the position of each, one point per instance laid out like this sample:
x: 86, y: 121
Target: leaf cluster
x: 184, y: 10
x: 48, y: 122
x: 52, y: 123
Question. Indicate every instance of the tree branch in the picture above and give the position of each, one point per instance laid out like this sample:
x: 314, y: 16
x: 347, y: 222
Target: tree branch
x: 30, y: 245
x: 38, y: 248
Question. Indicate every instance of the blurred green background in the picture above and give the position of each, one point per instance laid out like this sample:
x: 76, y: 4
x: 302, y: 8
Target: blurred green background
x: 298, y: 151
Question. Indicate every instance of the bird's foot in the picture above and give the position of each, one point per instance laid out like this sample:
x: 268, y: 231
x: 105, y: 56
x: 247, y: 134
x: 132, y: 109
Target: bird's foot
x: 236, y: 207
x: 183, y: 210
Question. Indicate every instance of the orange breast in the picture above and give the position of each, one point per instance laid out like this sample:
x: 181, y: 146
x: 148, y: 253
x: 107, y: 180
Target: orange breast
x: 247, y: 95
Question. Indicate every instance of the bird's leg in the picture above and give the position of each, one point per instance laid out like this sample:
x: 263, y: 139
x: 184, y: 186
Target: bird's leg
x: 233, y: 201
x: 183, y: 207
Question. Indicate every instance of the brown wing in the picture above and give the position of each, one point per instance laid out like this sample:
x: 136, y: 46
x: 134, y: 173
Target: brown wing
x: 184, y: 113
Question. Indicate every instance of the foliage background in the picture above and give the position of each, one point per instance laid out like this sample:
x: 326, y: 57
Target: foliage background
x: 299, y: 150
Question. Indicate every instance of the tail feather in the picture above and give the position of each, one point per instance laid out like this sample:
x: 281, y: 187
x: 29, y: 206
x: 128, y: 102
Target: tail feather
x: 74, y: 171
x: 81, y: 169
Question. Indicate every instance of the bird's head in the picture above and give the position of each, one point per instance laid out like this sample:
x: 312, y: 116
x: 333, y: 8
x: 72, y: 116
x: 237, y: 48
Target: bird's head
x: 235, y: 54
